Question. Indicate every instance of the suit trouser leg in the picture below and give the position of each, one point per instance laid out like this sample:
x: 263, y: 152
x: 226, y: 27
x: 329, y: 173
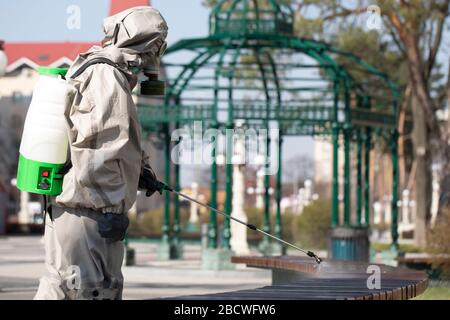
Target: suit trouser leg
x: 80, y: 263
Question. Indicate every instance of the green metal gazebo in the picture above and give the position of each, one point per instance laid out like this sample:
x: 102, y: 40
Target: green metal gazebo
x: 253, y: 68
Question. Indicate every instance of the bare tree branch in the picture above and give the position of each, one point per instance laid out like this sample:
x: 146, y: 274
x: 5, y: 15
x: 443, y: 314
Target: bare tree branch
x: 437, y: 41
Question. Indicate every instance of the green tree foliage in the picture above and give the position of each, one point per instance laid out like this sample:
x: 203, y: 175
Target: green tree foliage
x: 406, y: 48
x: 311, y: 227
x: 439, y: 235
x: 439, y: 243
x: 412, y: 31
x: 149, y: 223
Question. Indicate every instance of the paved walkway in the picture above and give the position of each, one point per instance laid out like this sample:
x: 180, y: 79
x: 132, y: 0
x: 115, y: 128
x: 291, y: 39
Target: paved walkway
x: 22, y: 263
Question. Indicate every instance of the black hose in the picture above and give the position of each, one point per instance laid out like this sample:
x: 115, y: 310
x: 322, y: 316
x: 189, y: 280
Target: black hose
x: 44, y: 210
x: 311, y: 254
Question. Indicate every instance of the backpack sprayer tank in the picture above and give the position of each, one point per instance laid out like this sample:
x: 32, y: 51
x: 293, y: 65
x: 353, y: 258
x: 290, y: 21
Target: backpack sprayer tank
x: 43, y: 150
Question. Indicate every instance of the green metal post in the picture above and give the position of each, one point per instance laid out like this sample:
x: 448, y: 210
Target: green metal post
x: 266, y: 226
x: 166, y: 221
x: 228, y: 185
x: 212, y: 228
x: 176, y: 217
x: 347, y: 176
x: 278, y: 229
x: 229, y: 156
x: 335, y: 186
x: 265, y: 245
x: 367, y: 148
x: 394, y: 208
x: 335, y: 181
x: 347, y: 138
x: 359, y: 179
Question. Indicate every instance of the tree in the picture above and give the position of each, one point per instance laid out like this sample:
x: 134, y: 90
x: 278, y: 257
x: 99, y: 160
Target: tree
x: 409, y: 45
x: 415, y: 30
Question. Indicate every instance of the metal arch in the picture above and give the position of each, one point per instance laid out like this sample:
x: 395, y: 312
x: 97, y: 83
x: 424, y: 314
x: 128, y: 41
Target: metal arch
x: 233, y: 6
x: 255, y: 4
x: 213, y: 14
x: 368, y: 67
x: 276, y: 5
x: 263, y: 74
x: 181, y: 74
x: 315, y: 50
x: 245, y: 12
x: 173, y: 85
x: 371, y: 69
x: 194, y: 70
x: 336, y: 74
x: 325, y: 56
x: 217, y: 9
x: 339, y: 71
x: 393, y: 87
x: 303, y: 44
x: 275, y: 76
x: 218, y: 41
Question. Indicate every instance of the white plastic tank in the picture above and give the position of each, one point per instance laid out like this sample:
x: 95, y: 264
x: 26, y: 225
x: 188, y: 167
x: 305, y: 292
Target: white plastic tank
x: 44, y: 136
x: 43, y: 150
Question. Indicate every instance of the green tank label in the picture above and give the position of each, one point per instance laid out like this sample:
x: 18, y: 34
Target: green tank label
x: 39, y: 177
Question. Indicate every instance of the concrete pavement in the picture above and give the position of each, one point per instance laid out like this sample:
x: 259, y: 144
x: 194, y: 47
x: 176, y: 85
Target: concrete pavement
x: 22, y: 263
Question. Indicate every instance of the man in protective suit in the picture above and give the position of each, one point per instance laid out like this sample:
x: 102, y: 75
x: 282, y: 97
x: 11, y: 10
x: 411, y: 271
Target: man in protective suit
x: 83, y: 237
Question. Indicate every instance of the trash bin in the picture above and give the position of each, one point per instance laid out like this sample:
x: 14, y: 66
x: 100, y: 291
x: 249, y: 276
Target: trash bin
x: 350, y: 243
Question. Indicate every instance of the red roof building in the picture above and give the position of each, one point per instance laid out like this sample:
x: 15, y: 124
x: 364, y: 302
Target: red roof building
x: 55, y: 54
x: 116, y: 6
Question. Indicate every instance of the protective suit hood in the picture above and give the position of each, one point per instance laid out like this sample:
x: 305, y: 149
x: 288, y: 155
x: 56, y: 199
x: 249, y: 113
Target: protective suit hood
x: 138, y: 29
x: 134, y: 38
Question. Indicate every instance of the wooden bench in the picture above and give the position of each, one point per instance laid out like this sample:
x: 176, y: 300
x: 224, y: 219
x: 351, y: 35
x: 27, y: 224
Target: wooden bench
x: 424, y: 258
x: 301, y: 278
x: 435, y: 265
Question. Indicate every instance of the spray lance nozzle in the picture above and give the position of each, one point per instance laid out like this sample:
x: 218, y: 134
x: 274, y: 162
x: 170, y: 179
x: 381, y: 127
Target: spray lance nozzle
x: 313, y: 255
x: 159, y: 186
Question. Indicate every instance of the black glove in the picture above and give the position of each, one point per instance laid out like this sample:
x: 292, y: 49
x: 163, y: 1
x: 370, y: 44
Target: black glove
x: 149, y: 182
x: 113, y: 227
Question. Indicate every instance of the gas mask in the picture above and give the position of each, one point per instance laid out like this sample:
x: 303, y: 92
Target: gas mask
x: 141, y: 32
x: 153, y: 86
x: 149, y: 64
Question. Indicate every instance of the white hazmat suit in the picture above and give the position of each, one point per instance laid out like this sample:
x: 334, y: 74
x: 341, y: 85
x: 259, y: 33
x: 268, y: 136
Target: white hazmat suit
x: 107, y: 160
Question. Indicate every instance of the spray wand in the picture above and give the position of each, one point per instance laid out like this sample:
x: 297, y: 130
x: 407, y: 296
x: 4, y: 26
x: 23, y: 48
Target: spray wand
x: 162, y: 186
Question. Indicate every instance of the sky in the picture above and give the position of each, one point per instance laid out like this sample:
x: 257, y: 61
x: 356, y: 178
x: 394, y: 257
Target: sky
x: 46, y: 20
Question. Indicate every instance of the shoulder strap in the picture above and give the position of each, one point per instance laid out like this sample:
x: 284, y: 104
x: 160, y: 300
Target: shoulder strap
x: 68, y: 165
x: 92, y: 62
